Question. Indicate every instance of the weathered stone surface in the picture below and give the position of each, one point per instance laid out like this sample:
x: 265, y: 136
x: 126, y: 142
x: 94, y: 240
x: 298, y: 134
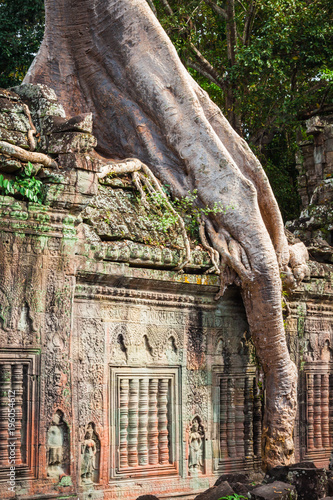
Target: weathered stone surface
x: 274, y: 491
x: 310, y: 482
x: 70, y: 142
x: 9, y: 165
x: 9, y: 106
x: 233, y: 478
x: 14, y: 137
x: 216, y: 492
x: 14, y: 121
x: 315, y: 166
x: 79, y: 161
x: 57, y: 124
x: 117, y: 214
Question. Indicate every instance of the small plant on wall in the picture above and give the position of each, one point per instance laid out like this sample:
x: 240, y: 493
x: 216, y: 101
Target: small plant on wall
x: 232, y: 497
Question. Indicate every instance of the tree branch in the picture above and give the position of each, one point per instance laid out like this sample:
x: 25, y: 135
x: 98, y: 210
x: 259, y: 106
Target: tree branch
x: 249, y: 23
x: 207, y: 67
x: 217, y: 9
x: 167, y: 7
x: 203, y: 73
x: 152, y: 6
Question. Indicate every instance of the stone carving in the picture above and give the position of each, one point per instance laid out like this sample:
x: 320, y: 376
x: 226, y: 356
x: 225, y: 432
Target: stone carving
x: 196, y: 348
x: 197, y: 395
x: 57, y: 447
x: 196, y: 441
x: 90, y: 448
x: 150, y: 343
x: 91, y: 370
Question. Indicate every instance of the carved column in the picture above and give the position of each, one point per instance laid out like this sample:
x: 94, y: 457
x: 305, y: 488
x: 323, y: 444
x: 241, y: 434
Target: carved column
x: 143, y: 423
x: 223, y: 418
x: 123, y: 422
x: 133, y: 407
x: 162, y: 404
x: 17, y: 386
x: 331, y: 409
x: 239, y: 417
x: 248, y: 417
x: 153, y: 423
x: 317, y: 412
x: 5, y: 386
x: 325, y: 410
x: 231, y: 419
x: 257, y: 416
x: 310, y: 401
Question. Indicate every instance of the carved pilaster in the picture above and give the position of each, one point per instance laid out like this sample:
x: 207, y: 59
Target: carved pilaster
x: 153, y: 423
x: 317, y: 412
x: 5, y: 386
x: 123, y: 422
x: 239, y: 417
x: 133, y: 408
x: 248, y: 417
x: 223, y: 418
x: 331, y: 409
x: 257, y: 418
x: 325, y: 410
x: 310, y: 401
x: 17, y: 387
x: 162, y: 404
x: 231, y: 418
x: 143, y: 423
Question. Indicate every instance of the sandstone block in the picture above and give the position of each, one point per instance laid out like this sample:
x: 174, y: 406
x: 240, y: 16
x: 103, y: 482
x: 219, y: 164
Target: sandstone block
x: 78, y: 161
x: 9, y: 165
x: 216, y: 492
x: 14, y: 121
x: 274, y: 491
x: 70, y: 142
x: 57, y: 124
x: 310, y: 482
x: 233, y: 478
x: 13, y: 137
x: 8, y: 106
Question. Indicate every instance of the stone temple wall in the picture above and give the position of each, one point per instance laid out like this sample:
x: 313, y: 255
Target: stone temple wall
x: 118, y: 375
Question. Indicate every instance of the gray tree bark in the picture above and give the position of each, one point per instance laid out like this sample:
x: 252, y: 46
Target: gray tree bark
x: 113, y: 58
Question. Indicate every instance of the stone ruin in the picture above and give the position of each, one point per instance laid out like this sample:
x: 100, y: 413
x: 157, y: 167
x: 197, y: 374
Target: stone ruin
x: 128, y: 378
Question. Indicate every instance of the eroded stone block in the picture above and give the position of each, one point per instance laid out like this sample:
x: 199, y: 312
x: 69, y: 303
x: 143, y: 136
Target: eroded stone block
x: 274, y: 491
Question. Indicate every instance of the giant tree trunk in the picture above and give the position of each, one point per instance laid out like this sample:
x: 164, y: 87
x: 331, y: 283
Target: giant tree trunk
x: 113, y: 58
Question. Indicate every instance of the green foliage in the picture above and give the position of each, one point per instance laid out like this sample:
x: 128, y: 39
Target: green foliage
x: 185, y: 207
x: 280, y: 73
x: 232, y: 497
x: 24, y: 185
x: 21, y: 31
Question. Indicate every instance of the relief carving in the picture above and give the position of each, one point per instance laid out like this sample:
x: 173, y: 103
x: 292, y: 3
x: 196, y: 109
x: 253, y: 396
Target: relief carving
x: 91, y: 335
x: 90, y: 451
x: 147, y: 343
x: 57, y: 447
x: 196, y: 441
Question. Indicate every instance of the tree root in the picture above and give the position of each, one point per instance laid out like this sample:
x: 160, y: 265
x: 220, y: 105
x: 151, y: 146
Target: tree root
x: 25, y: 156
x: 137, y: 181
x: 32, y: 131
x: 214, y: 255
x: 136, y: 167
x: 231, y: 253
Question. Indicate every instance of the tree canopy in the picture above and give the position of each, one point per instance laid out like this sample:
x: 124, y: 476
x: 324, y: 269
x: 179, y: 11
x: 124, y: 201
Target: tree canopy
x: 21, y: 31
x: 266, y: 63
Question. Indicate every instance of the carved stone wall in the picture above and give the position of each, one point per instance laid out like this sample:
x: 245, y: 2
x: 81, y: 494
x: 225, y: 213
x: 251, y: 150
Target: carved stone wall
x: 119, y: 376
